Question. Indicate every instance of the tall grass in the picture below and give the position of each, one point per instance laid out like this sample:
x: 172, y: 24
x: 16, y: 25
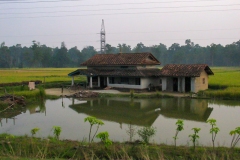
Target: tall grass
x: 12, y: 147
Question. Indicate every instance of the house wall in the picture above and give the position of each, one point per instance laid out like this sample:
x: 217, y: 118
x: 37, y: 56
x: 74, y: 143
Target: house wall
x: 144, y: 83
x: 164, y: 83
x: 198, y: 83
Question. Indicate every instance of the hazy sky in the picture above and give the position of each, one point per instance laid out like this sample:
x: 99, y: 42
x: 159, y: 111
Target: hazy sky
x: 78, y: 22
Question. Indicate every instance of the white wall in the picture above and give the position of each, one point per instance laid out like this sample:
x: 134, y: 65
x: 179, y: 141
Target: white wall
x: 144, y: 83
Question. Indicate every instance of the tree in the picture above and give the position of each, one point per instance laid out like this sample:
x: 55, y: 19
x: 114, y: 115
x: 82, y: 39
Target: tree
x: 123, y: 48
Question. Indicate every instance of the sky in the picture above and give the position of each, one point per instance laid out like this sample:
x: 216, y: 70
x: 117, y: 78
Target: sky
x: 78, y: 22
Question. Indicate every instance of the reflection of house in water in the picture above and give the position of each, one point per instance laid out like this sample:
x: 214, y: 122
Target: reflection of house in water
x: 183, y: 108
x: 143, y: 112
x: 9, y: 115
x: 121, y: 110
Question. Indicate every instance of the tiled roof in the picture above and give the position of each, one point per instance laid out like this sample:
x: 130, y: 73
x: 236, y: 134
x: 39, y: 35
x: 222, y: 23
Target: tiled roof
x: 185, y: 70
x: 118, y: 72
x: 121, y: 59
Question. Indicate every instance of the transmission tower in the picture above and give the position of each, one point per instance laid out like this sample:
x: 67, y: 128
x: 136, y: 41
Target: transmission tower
x: 103, y: 38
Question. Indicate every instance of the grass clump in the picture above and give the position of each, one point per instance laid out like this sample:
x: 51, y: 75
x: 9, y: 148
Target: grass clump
x: 24, y: 147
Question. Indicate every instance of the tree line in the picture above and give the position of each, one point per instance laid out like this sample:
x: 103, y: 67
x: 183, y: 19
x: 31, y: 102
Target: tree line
x: 42, y: 56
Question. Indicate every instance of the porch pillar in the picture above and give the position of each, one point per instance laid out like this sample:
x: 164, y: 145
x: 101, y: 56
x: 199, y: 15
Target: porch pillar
x: 107, y: 81
x: 72, y: 80
x: 91, y: 82
x: 98, y: 81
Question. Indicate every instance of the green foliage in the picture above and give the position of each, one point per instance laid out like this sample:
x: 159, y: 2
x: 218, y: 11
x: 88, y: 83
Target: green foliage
x: 132, y: 93
x: 179, y: 124
x: 235, y: 136
x: 194, y: 136
x: 42, y: 93
x: 214, y: 130
x: 57, y: 131
x: 146, y: 133
x: 93, y: 121
x: 34, y: 131
x: 104, y: 137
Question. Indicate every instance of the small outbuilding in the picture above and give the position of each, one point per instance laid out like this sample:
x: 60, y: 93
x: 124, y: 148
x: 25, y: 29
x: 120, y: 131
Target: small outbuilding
x: 185, y: 77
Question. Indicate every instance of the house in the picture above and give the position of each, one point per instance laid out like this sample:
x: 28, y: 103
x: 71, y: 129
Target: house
x: 185, y: 77
x: 139, y: 71
x: 122, y: 70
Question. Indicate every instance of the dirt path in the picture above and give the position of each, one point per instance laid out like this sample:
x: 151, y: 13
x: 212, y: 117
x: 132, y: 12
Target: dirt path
x: 58, y: 92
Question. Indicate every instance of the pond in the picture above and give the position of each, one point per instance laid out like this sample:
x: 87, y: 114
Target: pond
x: 119, y: 114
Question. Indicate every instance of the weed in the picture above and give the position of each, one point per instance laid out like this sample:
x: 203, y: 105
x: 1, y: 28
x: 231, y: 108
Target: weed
x: 93, y: 121
x: 146, y: 133
x: 179, y: 124
x: 194, y: 136
x: 103, y: 136
x: 214, y: 130
x: 235, y: 136
x: 57, y: 131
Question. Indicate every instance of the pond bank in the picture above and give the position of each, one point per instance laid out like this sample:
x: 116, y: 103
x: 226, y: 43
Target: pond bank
x: 36, y: 148
x: 67, y: 92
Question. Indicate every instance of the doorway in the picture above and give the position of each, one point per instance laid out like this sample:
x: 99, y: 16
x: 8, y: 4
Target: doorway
x: 187, y: 84
x: 175, y: 84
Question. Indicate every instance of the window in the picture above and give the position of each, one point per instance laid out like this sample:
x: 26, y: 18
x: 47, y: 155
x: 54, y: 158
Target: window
x: 124, y: 80
x: 124, y: 67
x: 203, y: 80
x: 137, y: 81
x: 160, y: 81
x: 111, y: 80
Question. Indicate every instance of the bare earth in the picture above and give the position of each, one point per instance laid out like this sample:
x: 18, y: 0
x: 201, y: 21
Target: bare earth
x: 58, y: 92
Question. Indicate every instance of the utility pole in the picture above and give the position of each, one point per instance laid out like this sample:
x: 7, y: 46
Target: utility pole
x: 103, y: 38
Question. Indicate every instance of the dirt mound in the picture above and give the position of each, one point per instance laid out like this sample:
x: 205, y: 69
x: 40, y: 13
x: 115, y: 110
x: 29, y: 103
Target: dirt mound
x: 84, y: 94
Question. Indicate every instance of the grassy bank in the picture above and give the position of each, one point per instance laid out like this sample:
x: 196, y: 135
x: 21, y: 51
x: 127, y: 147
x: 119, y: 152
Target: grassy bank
x: 16, y: 147
x: 223, y: 84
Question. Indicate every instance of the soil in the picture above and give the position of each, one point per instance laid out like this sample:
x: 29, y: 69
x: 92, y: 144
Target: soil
x: 67, y: 92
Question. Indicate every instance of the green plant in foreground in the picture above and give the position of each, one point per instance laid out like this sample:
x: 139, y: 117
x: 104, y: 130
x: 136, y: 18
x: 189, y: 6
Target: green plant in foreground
x: 194, y: 136
x: 179, y: 124
x: 57, y: 131
x: 93, y: 121
x: 214, y: 130
x: 236, y: 136
x: 131, y: 93
x: 34, y: 131
x: 103, y: 136
x: 146, y: 133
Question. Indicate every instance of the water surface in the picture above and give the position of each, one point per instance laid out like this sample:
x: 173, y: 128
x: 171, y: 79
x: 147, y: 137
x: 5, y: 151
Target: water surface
x: 119, y: 114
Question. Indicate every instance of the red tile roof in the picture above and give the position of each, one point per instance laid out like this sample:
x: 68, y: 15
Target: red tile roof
x: 121, y: 59
x: 147, y: 72
x: 185, y: 70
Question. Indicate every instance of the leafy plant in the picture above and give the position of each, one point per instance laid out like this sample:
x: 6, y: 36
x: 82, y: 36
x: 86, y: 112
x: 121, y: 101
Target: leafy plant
x: 34, y: 131
x: 179, y: 124
x: 103, y: 136
x: 214, y: 130
x: 57, y: 131
x: 131, y: 132
x: 236, y: 136
x: 194, y: 136
x: 93, y: 121
x: 146, y: 133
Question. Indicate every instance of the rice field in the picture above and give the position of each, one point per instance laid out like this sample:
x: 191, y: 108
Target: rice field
x: 42, y: 74
x: 224, y: 83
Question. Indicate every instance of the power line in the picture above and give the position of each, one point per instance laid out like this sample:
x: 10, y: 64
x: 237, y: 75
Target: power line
x: 117, y: 4
x: 140, y: 32
x: 129, y: 9
x: 7, y: 2
x: 111, y: 14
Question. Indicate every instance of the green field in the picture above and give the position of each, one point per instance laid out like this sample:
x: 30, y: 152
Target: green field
x: 225, y: 83
x: 42, y: 74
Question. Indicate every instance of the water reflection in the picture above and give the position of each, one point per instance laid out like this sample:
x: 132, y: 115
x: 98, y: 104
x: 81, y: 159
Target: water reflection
x: 144, y: 112
x: 34, y: 108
